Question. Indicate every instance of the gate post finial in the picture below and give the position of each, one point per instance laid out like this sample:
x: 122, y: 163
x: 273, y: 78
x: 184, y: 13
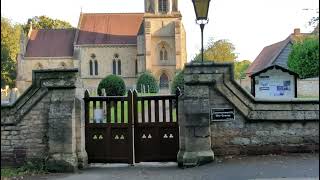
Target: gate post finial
x: 135, y: 92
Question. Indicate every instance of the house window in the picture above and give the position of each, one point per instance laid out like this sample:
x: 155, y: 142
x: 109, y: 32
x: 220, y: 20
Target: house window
x: 114, y: 67
x: 90, y: 68
x: 96, y: 67
x: 119, y: 67
x: 162, y: 5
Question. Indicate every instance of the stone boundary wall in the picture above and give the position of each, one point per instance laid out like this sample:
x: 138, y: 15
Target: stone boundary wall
x: 43, y: 125
x: 259, y: 127
x: 308, y: 87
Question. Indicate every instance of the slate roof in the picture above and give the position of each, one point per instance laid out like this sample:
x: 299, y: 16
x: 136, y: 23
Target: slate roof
x: 109, y: 28
x: 274, y: 54
x: 50, y: 43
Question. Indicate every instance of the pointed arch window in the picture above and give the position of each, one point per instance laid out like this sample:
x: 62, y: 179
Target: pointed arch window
x: 96, y: 67
x: 162, y: 5
x: 163, y: 54
x: 90, y: 68
x: 119, y: 67
x: 136, y: 66
x: 114, y: 67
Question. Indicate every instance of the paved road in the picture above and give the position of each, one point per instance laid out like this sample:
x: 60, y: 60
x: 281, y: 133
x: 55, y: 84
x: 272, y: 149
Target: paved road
x: 276, y: 167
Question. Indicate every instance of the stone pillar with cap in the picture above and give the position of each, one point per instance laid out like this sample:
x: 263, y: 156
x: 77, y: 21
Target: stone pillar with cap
x: 195, y: 135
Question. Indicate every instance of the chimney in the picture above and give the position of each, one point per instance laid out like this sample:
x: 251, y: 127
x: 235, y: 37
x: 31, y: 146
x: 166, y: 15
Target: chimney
x: 296, y: 31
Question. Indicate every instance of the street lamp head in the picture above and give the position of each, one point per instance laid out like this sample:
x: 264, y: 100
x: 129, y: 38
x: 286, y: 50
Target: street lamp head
x: 201, y: 8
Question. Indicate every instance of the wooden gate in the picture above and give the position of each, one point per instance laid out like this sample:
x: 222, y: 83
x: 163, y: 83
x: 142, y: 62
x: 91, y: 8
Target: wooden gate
x: 108, y: 135
x: 156, y: 130
x: 124, y: 128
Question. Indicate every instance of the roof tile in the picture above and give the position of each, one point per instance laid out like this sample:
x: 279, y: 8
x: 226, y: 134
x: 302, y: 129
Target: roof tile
x: 50, y: 43
x: 109, y: 28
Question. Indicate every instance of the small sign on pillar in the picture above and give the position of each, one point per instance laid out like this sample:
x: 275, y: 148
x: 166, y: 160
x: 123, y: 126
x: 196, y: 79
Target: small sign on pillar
x: 222, y: 114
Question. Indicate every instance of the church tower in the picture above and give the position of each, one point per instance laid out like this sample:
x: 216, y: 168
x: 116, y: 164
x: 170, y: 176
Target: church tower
x: 161, y: 6
x: 163, y: 40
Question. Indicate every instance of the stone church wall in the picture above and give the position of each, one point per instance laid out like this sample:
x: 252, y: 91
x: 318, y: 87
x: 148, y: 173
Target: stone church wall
x: 26, y: 66
x: 105, y: 55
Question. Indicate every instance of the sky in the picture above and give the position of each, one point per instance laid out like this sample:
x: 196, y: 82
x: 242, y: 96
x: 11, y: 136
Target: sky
x: 248, y: 24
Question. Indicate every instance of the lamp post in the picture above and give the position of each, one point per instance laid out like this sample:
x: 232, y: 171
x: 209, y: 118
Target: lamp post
x: 201, y: 8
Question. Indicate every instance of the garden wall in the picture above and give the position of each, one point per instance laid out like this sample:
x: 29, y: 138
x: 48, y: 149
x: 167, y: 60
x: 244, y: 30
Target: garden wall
x: 217, y: 116
x: 43, y: 125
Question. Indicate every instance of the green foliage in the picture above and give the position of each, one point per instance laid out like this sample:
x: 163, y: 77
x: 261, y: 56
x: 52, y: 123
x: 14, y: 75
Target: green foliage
x: 29, y: 168
x: 8, y: 70
x: 178, y: 81
x: 147, y: 79
x: 218, y: 51
x: 240, y: 68
x: 113, y: 85
x: 10, y: 37
x: 304, y: 58
x: 10, y: 43
x: 44, y: 22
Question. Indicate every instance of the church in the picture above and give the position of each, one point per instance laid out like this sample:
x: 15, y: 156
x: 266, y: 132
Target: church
x: 124, y: 44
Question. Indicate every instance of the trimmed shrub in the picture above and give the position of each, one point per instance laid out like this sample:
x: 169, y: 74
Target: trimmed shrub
x: 178, y: 81
x: 147, y: 79
x: 113, y: 85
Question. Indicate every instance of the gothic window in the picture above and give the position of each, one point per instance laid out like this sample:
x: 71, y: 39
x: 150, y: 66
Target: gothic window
x: 163, y: 54
x: 119, y: 67
x: 114, y: 67
x: 164, y: 81
x: 96, y: 67
x: 136, y: 66
x: 162, y: 5
x: 91, y: 68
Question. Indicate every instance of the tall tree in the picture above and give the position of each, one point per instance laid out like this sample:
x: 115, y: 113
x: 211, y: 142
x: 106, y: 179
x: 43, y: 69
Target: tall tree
x: 44, y: 22
x: 10, y: 37
x: 218, y: 51
x: 240, y: 68
x: 8, y: 70
x: 304, y: 58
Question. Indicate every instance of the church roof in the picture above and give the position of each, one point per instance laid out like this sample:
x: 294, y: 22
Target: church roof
x: 109, y: 28
x: 50, y: 43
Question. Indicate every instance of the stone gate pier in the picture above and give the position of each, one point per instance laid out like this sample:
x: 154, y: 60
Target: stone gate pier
x: 250, y: 126
x: 44, y: 125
